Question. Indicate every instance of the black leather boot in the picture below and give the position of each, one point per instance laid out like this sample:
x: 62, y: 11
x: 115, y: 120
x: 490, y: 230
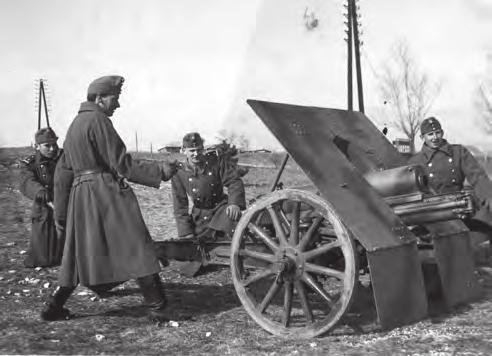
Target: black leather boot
x: 154, y: 297
x: 53, y: 308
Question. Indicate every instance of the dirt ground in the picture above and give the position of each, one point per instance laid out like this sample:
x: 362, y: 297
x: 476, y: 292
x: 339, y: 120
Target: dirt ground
x: 207, y: 317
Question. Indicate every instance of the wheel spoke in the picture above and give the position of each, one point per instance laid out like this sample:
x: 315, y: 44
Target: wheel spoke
x: 259, y: 217
x: 258, y: 276
x: 274, y: 288
x: 264, y: 237
x: 294, y: 225
x: 257, y: 255
x: 330, y: 272
x: 301, y: 292
x: 288, y: 290
x: 279, y: 230
x: 317, y: 288
x: 284, y: 219
x: 306, y: 239
x: 309, y: 255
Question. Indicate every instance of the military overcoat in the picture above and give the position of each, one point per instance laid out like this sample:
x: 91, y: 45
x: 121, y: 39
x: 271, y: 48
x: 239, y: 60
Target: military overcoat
x: 204, y: 186
x: 37, y: 174
x: 447, y: 168
x: 106, y: 237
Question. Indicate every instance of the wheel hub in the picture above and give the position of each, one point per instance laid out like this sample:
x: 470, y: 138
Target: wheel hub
x: 290, y: 264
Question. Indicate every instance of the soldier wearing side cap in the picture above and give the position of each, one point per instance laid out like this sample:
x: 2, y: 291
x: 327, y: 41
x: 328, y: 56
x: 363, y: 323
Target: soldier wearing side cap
x: 448, y: 165
x: 202, y: 178
x: 106, y: 238
x: 37, y: 172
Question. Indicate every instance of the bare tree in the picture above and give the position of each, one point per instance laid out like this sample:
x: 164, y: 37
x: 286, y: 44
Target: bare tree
x: 484, y: 106
x: 241, y: 141
x: 407, y: 91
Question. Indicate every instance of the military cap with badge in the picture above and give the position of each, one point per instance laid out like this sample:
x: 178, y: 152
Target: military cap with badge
x: 430, y: 124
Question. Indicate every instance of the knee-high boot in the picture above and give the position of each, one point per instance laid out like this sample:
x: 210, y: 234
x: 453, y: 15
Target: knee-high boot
x: 53, y: 308
x: 154, y: 297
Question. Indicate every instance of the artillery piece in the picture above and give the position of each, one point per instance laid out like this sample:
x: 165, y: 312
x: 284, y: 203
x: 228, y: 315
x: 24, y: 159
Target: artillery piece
x: 296, y: 254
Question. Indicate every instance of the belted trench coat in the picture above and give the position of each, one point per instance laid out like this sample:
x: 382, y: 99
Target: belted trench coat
x: 106, y: 237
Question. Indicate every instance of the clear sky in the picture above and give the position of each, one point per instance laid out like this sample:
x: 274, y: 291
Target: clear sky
x: 191, y: 64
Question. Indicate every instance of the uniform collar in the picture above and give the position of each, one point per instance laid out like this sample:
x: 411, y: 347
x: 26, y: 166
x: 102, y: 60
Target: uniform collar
x: 430, y: 152
x: 42, y: 159
x: 195, y: 169
x: 90, y: 106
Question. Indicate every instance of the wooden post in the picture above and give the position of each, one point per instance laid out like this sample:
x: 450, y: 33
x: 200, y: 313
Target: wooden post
x: 349, y: 56
x: 39, y: 105
x: 355, y: 24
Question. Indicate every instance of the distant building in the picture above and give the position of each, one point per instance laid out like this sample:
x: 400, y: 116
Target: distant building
x: 172, y: 147
x: 403, y: 145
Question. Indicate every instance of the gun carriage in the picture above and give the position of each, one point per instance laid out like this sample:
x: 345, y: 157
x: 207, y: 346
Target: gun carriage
x: 296, y: 255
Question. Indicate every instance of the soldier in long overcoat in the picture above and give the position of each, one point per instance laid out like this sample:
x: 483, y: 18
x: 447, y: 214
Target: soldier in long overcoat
x: 448, y: 165
x: 203, y: 178
x: 37, y: 179
x: 106, y: 237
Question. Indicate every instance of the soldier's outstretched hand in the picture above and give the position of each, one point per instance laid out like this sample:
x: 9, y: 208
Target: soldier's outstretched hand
x: 168, y: 169
x: 233, y: 212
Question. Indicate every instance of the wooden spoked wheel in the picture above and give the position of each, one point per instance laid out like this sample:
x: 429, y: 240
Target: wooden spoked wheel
x: 293, y: 264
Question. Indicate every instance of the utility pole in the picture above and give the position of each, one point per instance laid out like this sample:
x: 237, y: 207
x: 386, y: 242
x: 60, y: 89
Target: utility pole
x: 348, y: 31
x: 136, y: 142
x: 353, y: 44
x: 42, y: 102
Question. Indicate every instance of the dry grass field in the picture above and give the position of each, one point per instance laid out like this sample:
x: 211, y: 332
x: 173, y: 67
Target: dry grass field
x: 207, y: 317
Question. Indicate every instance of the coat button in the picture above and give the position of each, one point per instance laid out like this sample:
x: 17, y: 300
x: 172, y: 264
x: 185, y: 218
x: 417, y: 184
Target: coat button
x: 454, y: 180
x: 450, y: 160
x: 431, y: 175
x: 209, y: 173
x: 190, y: 179
x: 205, y: 218
x: 452, y: 170
x: 194, y: 190
x: 430, y: 164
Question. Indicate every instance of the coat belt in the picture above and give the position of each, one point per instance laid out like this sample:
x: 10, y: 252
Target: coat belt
x: 86, y: 172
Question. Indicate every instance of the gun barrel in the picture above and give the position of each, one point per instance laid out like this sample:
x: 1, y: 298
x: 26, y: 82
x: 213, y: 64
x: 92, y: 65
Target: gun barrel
x: 441, y: 207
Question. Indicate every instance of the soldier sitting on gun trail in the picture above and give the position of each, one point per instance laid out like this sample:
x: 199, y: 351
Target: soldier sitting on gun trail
x: 448, y: 165
x: 37, y: 172
x: 202, y: 178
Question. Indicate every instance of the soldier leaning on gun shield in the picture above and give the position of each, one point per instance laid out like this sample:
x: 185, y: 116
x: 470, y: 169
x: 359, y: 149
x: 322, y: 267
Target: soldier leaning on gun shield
x: 448, y: 165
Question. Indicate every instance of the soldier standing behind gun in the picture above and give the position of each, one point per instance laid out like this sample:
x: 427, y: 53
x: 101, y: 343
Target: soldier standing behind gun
x: 106, y: 237
x: 37, y: 172
x: 448, y: 165
x: 203, y: 178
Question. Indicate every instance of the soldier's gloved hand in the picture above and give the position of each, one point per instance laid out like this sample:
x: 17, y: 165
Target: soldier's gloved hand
x: 41, y: 196
x: 168, y: 169
x: 233, y: 212
x: 60, y: 227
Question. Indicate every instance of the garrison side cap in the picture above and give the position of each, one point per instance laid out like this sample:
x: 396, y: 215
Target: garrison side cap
x: 109, y: 85
x: 45, y: 135
x: 192, y: 140
x: 429, y: 125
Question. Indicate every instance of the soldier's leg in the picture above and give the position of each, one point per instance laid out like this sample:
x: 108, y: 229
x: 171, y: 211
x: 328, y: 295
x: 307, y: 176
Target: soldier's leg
x: 53, y: 308
x: 154, y: 296
x: 103, y: 290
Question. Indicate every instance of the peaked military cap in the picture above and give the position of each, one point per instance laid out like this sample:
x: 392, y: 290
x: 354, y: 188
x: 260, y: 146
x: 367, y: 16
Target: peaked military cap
x: 192, y: 140
x: 45, y: 135
x: 110, y: 85
x: 430, y: 124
